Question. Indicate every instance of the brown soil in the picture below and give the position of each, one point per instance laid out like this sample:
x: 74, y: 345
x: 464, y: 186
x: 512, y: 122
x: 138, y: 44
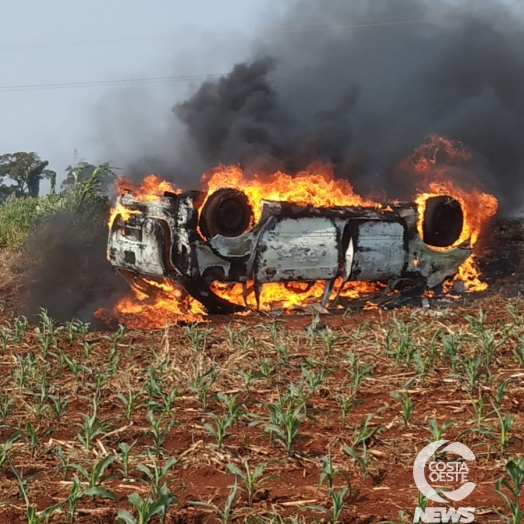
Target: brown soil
x: 395, y: 343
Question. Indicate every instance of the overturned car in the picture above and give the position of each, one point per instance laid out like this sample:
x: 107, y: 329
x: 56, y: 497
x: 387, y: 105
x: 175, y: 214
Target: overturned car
x: 197, y: 240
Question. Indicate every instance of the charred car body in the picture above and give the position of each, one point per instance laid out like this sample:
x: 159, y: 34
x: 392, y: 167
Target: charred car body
x: 183, y: 238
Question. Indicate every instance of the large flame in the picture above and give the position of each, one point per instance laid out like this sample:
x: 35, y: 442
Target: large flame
x: 434, y: 165
x: 316, y: 186
x: 438, y: 163
x: 154, y: 304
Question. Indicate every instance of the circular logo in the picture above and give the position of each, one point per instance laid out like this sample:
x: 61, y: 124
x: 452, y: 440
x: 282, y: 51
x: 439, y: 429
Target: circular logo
x: 441, y: 471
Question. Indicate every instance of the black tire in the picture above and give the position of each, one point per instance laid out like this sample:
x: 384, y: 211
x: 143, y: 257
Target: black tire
x: 443, y: 221
x: 227, y: 212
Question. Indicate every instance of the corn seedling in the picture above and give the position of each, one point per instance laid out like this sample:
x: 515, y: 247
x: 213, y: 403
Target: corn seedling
x: 314, y: 328
x: 248, y: 378
x: 331, y: 339
x: 75, y: 495
x: 26, y: 369
x: 20, y: 325
x: 46, y: 332
x: 63, y: 460
x: 33, y: 436
x: 479, y: 405
x: 6, y: 402
x: 473, y: 369
x: 328, y: 472
x: 151, y: 387
x: 518, y: 352
x: 76, y: 328
x: 158, y: 430
x: 512, y: 484
x: 145, y: 509
x: 422, y: 365
x: 96, y: 476
x: 197, y: 337
x: 226, y: 514
x: 313, y: 380
x: 251, y: 479
x: 286, y: 417
x: 437, y: 432
x: 357, y: 372
x: 219, y: 428
x: 58, y: 405
x: 514, y: 308
x: 116, y: 338
x: 266, y: 369
x: 74, y: 366
x: 276, y: 328
x: 450, y: 350
x: 41, y: 405
x: 202, y: 384
x: 338, y: 502
x: 477, y: 324
x: 283, y: 353
x: 168, y: 399
x: 130, y: 402
x: 91, y: 427
x: 124, y: 458
x: 5, y: 337
x: 347, y: 403
x: 500, y: 391
x: 233, y: 407
x: 502, y: 436
x: 363, y: 433
x: 407, y: 406
x: 400, y: 346
x: 156, y: 476
x: 360, y: 456
x: 5, y: 448
x: 31, y: 514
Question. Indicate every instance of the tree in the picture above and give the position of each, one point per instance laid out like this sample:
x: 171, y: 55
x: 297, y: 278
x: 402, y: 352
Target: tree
x: 25, y: 170
x: 84, y: 171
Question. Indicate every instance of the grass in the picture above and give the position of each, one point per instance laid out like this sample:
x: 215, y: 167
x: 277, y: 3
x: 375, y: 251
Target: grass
x: 83, y: 199
x: 253, y: 421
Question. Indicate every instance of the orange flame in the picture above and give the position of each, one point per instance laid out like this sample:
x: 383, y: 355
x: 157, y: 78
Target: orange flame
x: 433, y: 163
x: 151, y: 188
x: 163, y: 303
x: 316, y: 186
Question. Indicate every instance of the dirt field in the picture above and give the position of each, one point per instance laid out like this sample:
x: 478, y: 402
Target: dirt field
x: 163, y: 413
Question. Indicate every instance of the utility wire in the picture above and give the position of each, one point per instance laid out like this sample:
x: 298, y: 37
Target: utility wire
x: 288, y: 29
x: 370, y: 22
x: 190, y: 78
x: 130, y: 81
x: 185, y: 78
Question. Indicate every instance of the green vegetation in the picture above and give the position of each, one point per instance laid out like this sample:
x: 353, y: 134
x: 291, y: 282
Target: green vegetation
x: 81, y: 198
x: 223, y: 423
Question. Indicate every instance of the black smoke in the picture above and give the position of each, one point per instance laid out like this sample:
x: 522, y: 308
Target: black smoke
x: 360, y: 84
x: 65, y: 267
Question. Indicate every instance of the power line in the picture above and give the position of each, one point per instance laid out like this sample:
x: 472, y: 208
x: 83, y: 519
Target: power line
x: 187, y: 78
x: 288, y: 29
x: 369, y: 22
x: 130, y: 81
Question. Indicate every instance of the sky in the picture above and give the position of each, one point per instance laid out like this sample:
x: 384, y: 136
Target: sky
x: 64, y: 42
x: 70, y: 42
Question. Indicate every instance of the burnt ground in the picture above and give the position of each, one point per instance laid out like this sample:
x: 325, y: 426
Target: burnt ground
x: 66, y: 393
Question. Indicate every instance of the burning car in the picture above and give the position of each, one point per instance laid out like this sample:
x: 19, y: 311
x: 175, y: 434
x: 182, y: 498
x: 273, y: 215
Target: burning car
x: 200, y: 240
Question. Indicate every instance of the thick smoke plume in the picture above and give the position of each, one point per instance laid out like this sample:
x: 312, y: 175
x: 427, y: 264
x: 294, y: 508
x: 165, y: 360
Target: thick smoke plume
x: 360, y: 84
x: 357, y: 84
